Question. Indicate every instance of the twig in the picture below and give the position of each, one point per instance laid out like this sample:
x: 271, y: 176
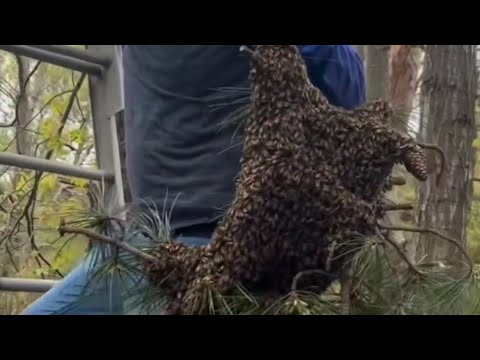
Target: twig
x: 92, y: 235
x: 400, y: 252
x: 346, y: 282
x: 443, y: 159
x: 476, y: 179
x: 12, y: 260
x: 34, y: 70
x: 304, y: 273
x: 399, y: 207
x: 398, y: 181
x: 328, y: 263
x: 429, y: 231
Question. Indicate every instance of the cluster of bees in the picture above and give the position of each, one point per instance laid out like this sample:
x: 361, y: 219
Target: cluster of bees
x: 311, y: 187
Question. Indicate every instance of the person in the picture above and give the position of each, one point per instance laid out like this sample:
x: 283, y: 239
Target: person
x: 177, y: 153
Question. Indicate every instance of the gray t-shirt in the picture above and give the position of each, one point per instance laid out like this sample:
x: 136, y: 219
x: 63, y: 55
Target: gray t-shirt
x: 178, y: 154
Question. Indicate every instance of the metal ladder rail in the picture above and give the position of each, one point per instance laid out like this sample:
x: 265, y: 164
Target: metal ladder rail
x: 102, y: 64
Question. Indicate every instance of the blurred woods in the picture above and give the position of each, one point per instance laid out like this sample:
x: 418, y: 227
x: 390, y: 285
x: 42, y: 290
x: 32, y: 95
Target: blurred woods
x: 45, y: 112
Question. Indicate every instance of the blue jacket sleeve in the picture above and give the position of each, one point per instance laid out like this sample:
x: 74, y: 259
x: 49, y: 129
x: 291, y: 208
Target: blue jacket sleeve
x: 337, y: 71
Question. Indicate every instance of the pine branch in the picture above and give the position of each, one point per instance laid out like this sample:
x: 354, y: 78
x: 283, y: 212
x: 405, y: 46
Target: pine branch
x: 433, y: 232
x: 64, y: 229
x: 402, y: 254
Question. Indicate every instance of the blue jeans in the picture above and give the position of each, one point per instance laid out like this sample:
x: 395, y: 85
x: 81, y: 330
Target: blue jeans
x: 70, y: 296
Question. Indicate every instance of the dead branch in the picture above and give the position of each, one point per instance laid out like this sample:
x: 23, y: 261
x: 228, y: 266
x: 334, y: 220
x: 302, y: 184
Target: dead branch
x: 433, y: 232
x: 399, y: 207
x: 443, y: 158
x: 92, y: 235
x: 400, y: 252
x: 306, y: 273
x: 34, y: 70
x: 398, y: 181
x: 476, y: 179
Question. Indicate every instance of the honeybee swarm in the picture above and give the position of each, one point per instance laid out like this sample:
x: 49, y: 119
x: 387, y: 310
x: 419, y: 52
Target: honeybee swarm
x: 311, y: 186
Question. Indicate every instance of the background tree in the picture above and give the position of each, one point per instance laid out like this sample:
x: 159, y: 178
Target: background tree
x: 448, y: 113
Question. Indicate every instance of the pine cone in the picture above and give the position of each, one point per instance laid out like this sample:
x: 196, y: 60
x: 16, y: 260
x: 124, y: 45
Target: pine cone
x: 416, y: 163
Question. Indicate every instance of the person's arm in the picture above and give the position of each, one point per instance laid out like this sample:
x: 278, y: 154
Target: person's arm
x: 337, y: 71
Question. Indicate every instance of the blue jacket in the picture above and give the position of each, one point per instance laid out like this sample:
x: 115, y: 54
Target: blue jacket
x: 337, y: 71
x: 178, y: 155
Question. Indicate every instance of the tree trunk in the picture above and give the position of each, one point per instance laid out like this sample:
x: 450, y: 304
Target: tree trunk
x: 405, y: 66
x: 448, y: 91
x: 377, y: 71
x: 378, y: 85
x: 23, y: 111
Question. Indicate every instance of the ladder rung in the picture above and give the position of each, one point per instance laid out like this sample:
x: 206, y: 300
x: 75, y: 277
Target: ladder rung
x: 26, y: 285
x: 55, y: 59
x: 56, y: 167
x: 84, y: 55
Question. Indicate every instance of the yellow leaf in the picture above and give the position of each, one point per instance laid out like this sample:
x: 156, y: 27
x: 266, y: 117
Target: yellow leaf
x: 48, y: 184
x: 81, y: 183
x: 22, y: 183
x: 48, y: 128
x: 80, y: 136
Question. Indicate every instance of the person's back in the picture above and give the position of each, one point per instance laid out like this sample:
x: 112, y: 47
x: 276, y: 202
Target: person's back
x: 176, y: 145
x: 177, y: 148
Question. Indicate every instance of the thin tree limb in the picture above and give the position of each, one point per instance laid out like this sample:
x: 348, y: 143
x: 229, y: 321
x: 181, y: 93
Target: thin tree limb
x: 399, y: 207
x: 92, y: 235
x: 398, y: 181
x: 402, y: 254
x: 34, y: 70
x: 443, y: 159
x: 433, y: 232
x: 306, y: 273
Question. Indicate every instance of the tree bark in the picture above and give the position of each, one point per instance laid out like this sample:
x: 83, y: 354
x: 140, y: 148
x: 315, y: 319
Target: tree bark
x: 405, y: 65
x: 377, y: 71
x: 448, y: 110
x: 23, y: 111
x: 378, y: 86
